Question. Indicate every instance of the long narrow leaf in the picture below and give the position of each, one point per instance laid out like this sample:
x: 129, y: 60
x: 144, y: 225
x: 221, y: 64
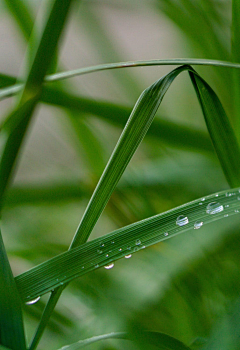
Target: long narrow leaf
x: 129, y: 64
x: 127, y: 240
x: 220, y: 130
x: 11, y: 321
x: 160, y: 340
x: 32, y: 90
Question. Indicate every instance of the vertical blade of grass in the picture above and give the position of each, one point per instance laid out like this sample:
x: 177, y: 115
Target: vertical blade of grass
x: 11, y: 321
x: 31, y: 92
x: 236, y: 58
x: 133, y: 133
x: 15, y: 127
x: 220, y: 130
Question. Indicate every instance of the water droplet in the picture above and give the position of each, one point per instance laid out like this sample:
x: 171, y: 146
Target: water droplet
x: 226, y: 215
x: 166, y: 234
x: 128, y: 256
x: 120, y: 249
x: 32, y: 301
x: 82, y: 267
x: 96, y: 266
x: 143, y: 247
x: 135, y: 249
x: 182, y: 220
x: 107, y: 255
x: 198, y: 224
x: 214, y: 208
x: 216, y: 195
x: 200, y: 203
x: 99, y: 251
x: 102, y: 244
x: 227, y: 206
x: 138, y: 242
x: 128, y: 247
x: 236, y: 211
x: 203, y: 199
x: 110, y: 266
x: 112, y: 242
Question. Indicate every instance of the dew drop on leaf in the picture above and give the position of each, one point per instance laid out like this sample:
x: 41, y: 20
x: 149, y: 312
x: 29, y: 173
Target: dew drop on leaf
x: 214, y: 208
x: 31, y: 302
x: 138, y: 242
x: 110, y: 266
x: 198, y: 224
x: 182, y: 220
x: 128, y: 256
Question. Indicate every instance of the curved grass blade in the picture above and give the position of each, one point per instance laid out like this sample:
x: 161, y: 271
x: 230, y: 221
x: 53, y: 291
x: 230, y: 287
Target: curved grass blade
x: 129, y: 64
x: 220, y: 130
x: 31, y: 92
x: 133, y: 133
x: 160, y: 340
x: 173, y: 134
x: 11, y: 320
x: 107, y: 249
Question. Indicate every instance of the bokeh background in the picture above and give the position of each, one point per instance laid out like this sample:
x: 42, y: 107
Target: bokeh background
x: 182, y: 287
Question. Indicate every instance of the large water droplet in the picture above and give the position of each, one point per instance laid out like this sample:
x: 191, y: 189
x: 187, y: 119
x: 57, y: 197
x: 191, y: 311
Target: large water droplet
x: 32, y: 301
x: 214, y: 208
x: 182, y: 220
x: 138, y: 242
x: 110, y: 266
x: 198, y: 224
x: 128, y: 256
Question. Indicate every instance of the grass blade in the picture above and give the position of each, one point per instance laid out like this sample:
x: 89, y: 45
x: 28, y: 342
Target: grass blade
x: 236, y: 58
x: 11, y: 321
x: 129, y: 64
x: 160, y: 340
x: 11, y: 140
x: 220, y: 130
x: 21, y: 16
x: 127, y: 240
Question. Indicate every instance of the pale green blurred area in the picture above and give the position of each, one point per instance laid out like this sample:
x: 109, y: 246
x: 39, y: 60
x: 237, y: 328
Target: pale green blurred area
x: 181, y: 287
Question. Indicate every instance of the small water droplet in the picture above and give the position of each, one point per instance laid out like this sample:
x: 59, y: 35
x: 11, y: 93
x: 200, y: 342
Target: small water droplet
x: 107, y: 255
x: 182, y: 220
x: 216, y: 195
x: 112, y: 242
x: 236, y: 211
x: 198, y: 224
x: 32, y: 301
x: 135, y: 249
x: 138, y: 242
x: 102, y: 244
x: 128, y: 247
x: 200, y: 203
x: 96, y: 266
x: 203, y: 199
x: 110, y: 266
x: 120, y: 249
x: 226, y: 215
x: 143, y: 247
x: 82, y: 267
x: 166, y: 234
x: 128, y: 256
x: 226, y: 206
x: 214, y: 208
x: 99, y: 251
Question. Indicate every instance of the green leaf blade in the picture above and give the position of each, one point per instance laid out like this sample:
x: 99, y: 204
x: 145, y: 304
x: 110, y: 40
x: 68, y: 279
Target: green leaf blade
x: 220, y: 130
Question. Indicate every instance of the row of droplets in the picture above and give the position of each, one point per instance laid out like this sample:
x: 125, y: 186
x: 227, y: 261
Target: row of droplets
x: 212, y: 208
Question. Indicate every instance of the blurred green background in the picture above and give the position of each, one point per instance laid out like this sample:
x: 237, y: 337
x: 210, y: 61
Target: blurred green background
x: 182, y: 287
